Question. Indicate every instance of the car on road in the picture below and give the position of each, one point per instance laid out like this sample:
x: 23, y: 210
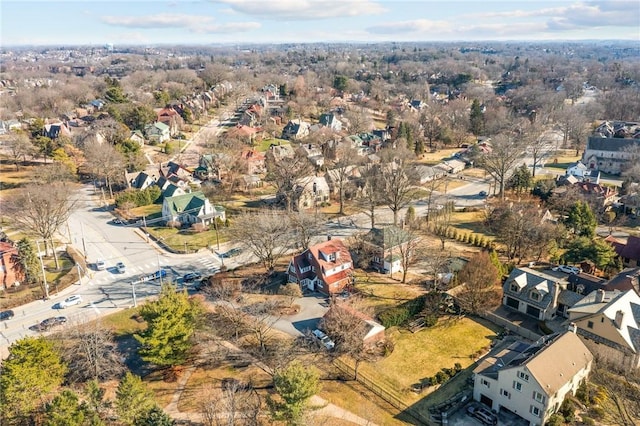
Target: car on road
x: 483, y: 414
x: 49, y: 323
x: 121, y: 268
x: 5, y: 315
x: 323, y: 339
x: 231, y: 253
x: 101, y: 265
x: 482, y: 193
x: 118, y: 221
x: 76, y: 299
x: 191, y: 277
x: 567, y: 269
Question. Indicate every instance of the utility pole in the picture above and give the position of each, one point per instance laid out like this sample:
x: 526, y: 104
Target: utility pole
x: 84, y: 246
x: 133, y: 290
x: 215, y: 226
x: 79, y: 273
x: 44, y: 275
x: 159, y: 268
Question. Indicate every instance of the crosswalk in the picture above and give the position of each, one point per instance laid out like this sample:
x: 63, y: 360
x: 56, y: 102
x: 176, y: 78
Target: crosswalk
x: 209, y: 264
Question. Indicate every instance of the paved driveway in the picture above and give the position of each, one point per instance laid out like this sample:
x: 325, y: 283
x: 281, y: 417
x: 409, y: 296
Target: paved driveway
x: 312, y: 309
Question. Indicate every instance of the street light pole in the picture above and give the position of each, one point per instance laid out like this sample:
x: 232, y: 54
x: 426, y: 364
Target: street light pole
x: 84, y: 246
x: 133, y: 290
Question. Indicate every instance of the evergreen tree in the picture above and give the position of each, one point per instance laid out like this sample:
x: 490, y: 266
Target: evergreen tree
x: 28, y: 260
x: 67, y: 410
x: 582, y: 220
x: 155, y: 417
x: 171, y: 322
x: 30, y: 373
x: 476, y: 118
x: 133, y: 400
x: 493, y: 256
x: 294, y: 385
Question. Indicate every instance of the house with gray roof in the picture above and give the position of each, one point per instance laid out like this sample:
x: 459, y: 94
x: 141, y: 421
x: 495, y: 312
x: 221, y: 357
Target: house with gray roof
x: 191, y: 208
x: 142, y: 180
x: 388, y: 244
x: 532, y: 380
x: 534, y: 293
x: 608, y: 322
x: 612, y: 145
x: 331, y: 121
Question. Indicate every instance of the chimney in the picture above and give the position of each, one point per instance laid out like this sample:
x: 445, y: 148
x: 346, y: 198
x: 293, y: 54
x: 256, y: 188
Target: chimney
x: 328, y: 237
x: 618, y: 320
x: 600, y: 296
x: 572, y: 328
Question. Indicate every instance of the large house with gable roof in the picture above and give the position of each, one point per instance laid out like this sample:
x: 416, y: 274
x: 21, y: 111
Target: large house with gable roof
x: 532, y: 380
x: 611, y: 146
x: 191, y: 208
x: 534, y: 293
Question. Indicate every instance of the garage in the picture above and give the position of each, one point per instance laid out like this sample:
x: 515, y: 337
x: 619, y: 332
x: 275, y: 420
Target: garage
x: 533, y: 311
x: 512, y: 303
x: 486, y: 400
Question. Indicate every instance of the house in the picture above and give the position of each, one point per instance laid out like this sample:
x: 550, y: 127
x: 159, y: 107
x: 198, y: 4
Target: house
x: 191, y: 208
x: 388, y: 244
x: 157, y: 132
x: 603, y: 195
x: 97, y: 104
x: 533, y: 293
x: 608, y: 322
x: 56, y: 130
x: 295, y: 129
x: 532, y: 380
x: 280, y: 152
x: 331, y: 121
x: 627, y: 279
x: 416, y: 105
x: 137, y: 136
x: 427, y: 173
x: 452, y: 166
x: 347, y: 174
x: 10, y: 272
x: 583, y: 173
x: 172, y: 169
x: 141, y: 180
x: 310, y: 191
x: 253, y: 161
x: 372, y: 331
x: 325, y: 267
x: 313, y: 154
x: 628, y: 251
x: 171, y: 118
x: 611, y: 146
x: 250, y: 182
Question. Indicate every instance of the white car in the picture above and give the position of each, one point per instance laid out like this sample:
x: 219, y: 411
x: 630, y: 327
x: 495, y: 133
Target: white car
x: 323, y: 339
x: 101, y: 265
x: 121, y: 268
x: 568, y: 269
x: 71, y: 300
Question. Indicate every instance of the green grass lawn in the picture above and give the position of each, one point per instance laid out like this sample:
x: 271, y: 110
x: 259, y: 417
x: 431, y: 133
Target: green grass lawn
x: 381, y: 292
x: 176, y: 238
x: 150, y: 212
x: 420, y: 355
x: 266, y: 143
x: 123, y: 323
x: 469, y: 221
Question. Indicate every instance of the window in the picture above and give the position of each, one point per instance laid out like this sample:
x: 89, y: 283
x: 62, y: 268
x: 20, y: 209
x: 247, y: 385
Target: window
x: 517, y: 386
x: 524, y: 376
x: 514, y: 288
x: 534, y: 410
x: 485, y: 383
x: 589, y: 324
x: 534, y: 295
x: 505, y: 393
x: 538, y: 396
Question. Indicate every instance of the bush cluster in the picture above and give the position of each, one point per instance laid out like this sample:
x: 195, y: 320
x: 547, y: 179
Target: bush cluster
x: 443, y: 375
x: 400, y: 314
x: 464, y: 237
x: 139, y: 198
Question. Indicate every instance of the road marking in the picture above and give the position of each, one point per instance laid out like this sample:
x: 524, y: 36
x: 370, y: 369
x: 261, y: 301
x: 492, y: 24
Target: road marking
x: 95, y: 308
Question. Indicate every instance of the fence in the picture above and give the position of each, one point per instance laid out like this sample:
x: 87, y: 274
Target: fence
x: 388, y: 395
x: 515, y: 328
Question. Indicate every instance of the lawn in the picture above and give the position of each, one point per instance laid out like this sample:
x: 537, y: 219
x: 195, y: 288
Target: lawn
x: 469, y: 221
x: 150, y: 212
x: 177, y: 239
x: 422, y: 354
x: 122, y: 322
x: 264, y: 145
x: 381, y: 292
x: 439, y: 156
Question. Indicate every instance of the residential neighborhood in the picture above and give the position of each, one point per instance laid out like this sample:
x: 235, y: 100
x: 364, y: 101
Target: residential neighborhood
x: 405, y: 233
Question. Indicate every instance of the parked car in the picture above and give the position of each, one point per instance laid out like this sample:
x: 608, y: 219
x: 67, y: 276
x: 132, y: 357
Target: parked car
x: 323, y: 339
x: 5, y: 315
x: 191, y: 276
x: 482, y: 193
x: 568, y: 269
x: 117, y: 221
x: 101, y: 265
x: 76, y: 299
x: 121, y: 268
x: 483, y: 414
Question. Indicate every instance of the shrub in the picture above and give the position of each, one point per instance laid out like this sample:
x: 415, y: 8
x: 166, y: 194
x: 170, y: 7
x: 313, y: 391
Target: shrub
x: 174, y: 224
x: 430, y: 320
x: 398, y: 315
x: 138, y: 198
x: 555, y: 420
x: 440, y: 377
x: 583, y: 393
x: 457, y: 366
x: 597, y: 412
x: 588, y: 421
x: 567, y: 410
x: 198, y: 227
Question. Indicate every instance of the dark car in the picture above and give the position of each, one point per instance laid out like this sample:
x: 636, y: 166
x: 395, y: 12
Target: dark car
x: 482, y: 193
x: 49, y: 323
x: 231, y: 253
x: 117, y: 221
x: 191, y: 276
x: 5, y: 315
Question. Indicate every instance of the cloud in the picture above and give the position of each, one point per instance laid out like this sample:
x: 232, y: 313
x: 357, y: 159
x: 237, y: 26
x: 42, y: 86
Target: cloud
x: 162, y: 20
x: 304, y: 9
x: 413, y: 26
x: 193, y: 23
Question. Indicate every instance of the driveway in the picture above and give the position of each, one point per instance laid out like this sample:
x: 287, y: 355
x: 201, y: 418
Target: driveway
x: 312, y: 309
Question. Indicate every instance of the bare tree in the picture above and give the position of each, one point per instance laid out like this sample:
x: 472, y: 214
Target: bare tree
x: 441, y: 222
x: 104, y: 162
x: 371, y: 195
x: 305, y: 226
x: 285, y: 173
x: 342, y: 170
x: 41, y: 209
x: 409, y: 247
x: 91, y: 352
x: 19, y: 147
x: 359, y: 120
x: 236, y: 404
x: 399, y: 181
x: 506, y: 152
x: 481, y: 282
x: 266, y: 234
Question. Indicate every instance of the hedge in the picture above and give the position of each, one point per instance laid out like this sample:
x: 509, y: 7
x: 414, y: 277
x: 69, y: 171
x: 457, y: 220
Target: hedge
x: 400, y: 314
x: 139, y: 198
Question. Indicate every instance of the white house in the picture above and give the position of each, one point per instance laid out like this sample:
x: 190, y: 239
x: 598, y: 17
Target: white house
x: 311, y: 191
x: 191, y: 208
x: 157, y: 132
x: 533, y: 380
x: 582, y: 172
x: 608, y: 322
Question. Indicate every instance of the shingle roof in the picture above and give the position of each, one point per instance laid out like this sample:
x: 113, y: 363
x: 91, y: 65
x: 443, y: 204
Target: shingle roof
x: 191, y: 203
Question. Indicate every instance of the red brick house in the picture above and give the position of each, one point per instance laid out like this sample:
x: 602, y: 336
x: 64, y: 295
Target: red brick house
x: 326, y: 267
x: 171, y: 118
x: 629, y: 252
x: 253, y: 161
x: 10, y: 272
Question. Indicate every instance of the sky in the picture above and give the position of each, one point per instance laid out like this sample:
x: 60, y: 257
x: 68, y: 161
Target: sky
x: 153, y: 22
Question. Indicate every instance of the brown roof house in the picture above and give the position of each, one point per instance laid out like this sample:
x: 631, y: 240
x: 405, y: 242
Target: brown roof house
x: 608, y: 322
x: 10, y: 273
x: 628, y: 251
x: 532, y: 380
x: 326, y: 267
